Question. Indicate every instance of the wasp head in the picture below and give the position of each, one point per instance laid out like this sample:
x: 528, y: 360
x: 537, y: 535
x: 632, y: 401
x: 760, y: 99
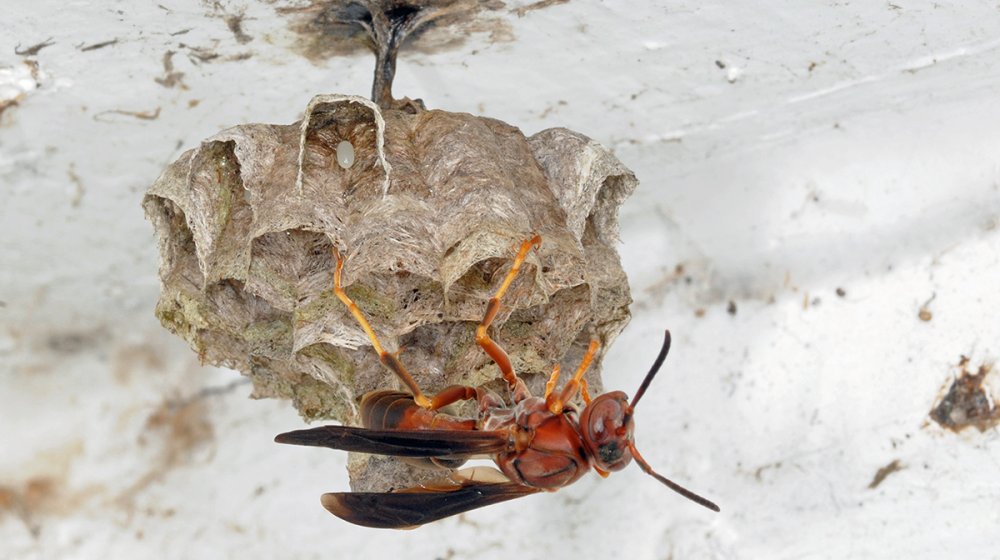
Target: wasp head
x: 607, y: 428
x: 607, y: 431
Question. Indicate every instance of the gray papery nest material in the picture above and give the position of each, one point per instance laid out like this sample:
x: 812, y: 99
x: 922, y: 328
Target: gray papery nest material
x: 429, y: 213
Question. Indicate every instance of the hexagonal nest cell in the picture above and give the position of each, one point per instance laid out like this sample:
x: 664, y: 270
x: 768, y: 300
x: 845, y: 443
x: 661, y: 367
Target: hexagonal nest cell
x: 429, y: 215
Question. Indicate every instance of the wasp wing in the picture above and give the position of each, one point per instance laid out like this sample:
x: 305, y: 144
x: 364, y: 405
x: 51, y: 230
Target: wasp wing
x: 430, y: 501
x: 402, y: 443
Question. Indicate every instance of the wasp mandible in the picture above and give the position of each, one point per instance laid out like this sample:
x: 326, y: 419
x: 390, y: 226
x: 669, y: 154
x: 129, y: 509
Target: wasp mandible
x: 540, y: 443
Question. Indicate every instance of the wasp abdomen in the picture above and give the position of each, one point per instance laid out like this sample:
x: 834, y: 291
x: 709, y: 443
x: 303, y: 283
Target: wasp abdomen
x: 395, y: 410
x: 385, y: 410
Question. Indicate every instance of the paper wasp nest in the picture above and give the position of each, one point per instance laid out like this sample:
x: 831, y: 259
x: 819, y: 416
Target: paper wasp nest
x: 429, y: 213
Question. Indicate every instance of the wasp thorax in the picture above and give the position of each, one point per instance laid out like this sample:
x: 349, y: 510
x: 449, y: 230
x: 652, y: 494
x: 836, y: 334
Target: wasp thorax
x: 604, y: 433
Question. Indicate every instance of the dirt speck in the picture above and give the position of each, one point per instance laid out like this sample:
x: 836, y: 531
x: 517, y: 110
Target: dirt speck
x: 537, y: 6
x: 80, y: 190
x: 924, y: 314
x: 33, y: 50
x: 885, y: 471
x: 8, y: 103
x: 967, y: 402
x: 200, y: 55
x: 170, y: 78
x: 105, y: 116
x: 96, y: 46
x: 759, y: 473
x: 235, y: 24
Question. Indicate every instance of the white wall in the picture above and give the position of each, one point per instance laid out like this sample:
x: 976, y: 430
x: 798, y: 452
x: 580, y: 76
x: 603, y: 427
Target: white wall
x: 841, y: 146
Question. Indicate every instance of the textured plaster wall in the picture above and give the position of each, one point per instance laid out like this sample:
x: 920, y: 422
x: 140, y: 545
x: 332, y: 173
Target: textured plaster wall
x: 785, y: 149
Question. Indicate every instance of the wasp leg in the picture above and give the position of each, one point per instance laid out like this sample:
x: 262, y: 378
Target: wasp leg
x: 584, y: 392
x: 390, y: 361
x: 551, y: 383
x: 518, y: 390
x: 555, y: 404
x: 486, y: 399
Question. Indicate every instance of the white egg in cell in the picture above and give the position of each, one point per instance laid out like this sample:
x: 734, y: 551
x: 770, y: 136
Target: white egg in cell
x: 345, y: 154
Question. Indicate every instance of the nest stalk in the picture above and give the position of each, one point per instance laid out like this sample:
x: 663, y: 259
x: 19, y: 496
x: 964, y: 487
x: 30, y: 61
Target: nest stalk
x: 388, y: 24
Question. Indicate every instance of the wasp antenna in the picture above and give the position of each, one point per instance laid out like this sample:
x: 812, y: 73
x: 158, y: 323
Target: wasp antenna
x: 648, y: 380
x: 669, y: 483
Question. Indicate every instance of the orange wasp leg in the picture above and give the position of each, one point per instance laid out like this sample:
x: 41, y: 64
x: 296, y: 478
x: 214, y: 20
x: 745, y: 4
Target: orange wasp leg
x: 518, y: 390
x: 551, y: 383
x: 584, y: 392
x: 485, y: 399
x: 388, y: 360
x: 555, y: 404
x: 453, y: 394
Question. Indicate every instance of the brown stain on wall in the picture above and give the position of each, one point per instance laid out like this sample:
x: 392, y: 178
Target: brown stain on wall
x: 132, y: 358
x: 176, y: 430
x: 71, y: 342
x: 47, y: 492
x: 967, y: 402
x: 325, y: 29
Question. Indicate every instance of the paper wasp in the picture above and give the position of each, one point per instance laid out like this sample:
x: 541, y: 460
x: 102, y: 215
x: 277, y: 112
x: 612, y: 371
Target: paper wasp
x: 541, y: 443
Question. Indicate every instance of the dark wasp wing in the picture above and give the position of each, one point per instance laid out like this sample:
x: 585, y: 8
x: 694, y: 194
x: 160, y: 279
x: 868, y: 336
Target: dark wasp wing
x: 431, y: 501
x: 402, y: 443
